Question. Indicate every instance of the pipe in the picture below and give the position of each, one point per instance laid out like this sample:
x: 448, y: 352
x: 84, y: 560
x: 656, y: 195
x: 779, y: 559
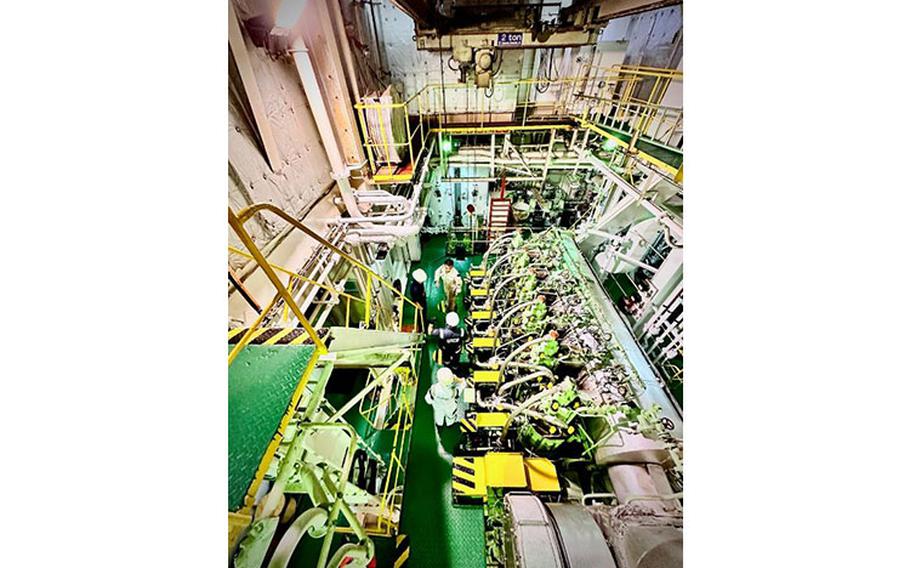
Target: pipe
x: 512, y: 341
x: 393, y: 230
x: 501, y: 259
x: 389, y: 234
x: 379, y: 196
x: 587, y: 496
x: 357, y: 239
x: 529, y: 403
x: 501, y: 285
x: 525, y: 379
x: 307, y: 521
x: 508, y: 315
x: 376, y: 219
x: 412, y: 202
x: 521, y: 348
x: 493, y: 244
x: 536, y: 415
x: 631, y: 260
x: 356, y: 551
x: 525, y: 271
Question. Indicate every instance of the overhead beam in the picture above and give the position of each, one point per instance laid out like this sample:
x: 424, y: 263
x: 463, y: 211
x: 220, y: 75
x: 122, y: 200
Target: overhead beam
x: 584, y: 13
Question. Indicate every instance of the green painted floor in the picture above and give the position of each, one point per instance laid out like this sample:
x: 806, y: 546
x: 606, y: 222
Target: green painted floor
x: 261, y: 382
x: 441, y: 534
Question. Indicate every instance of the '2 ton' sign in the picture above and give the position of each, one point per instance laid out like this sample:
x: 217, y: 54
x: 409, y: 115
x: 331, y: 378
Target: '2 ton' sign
x: 505, y: 38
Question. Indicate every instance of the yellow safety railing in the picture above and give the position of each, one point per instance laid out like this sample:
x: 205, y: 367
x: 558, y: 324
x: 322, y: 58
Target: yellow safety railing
x: 237, y: 221
x: 381, y: 146
x: 620, y: 98
x: 390, y: 498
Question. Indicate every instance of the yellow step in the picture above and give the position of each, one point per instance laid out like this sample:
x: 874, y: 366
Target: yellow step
x: 484, y: 342
x: 486, y: 376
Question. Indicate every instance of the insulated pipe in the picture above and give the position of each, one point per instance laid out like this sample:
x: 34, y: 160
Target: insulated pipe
x: 521, y: 348
x: 356, y: 551
x: 501, y: 285
x: 387, y: 199
x: 632, y: 260
x: 313, y: 518
x: 357, y: 239
x: 516, y: 340
x: 525, y: 379
x: 524, y: 272
x: 508, y: 315
x: 532, y: 413
x: 503, y: 258
x: 396, y: 233
x: 378, y: 218
x: 493, y: 244
x: 524, y: 406
x: 536, y: 415
x: 394, y: 230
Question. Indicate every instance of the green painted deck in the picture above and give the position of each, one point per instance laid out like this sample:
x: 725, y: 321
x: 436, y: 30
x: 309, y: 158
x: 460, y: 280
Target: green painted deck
x: 261, y: 382
x: 441, y: 534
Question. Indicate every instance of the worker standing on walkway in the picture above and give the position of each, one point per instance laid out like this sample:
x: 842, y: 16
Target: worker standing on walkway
x: 418, y: 289
x: 445, y: 398
x: 450, y: 339
x: 451, y: 283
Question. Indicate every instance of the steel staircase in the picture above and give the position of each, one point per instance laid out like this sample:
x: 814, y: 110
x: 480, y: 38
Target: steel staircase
x: 499, y: 216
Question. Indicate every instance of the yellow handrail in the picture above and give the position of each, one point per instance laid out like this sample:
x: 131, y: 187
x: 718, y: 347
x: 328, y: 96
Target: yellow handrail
x: 236, y: 223
x: 622, y: 94
x: 247, y: 213
x: 296, y: 276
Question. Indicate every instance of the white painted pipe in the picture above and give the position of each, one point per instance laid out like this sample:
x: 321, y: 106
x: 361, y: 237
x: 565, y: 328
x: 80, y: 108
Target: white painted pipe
x: 378, y: 218
x: 357, y: 239
x: 393, y: 230
x: 312, y: 519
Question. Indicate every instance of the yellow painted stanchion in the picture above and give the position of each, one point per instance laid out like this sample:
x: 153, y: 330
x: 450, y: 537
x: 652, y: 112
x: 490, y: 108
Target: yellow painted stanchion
x: 369, y: 300
x: 252, y: 330
x: 246, y: 213
x: 237, y: 225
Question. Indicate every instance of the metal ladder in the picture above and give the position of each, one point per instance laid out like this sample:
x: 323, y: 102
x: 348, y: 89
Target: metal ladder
x: 499, y: 213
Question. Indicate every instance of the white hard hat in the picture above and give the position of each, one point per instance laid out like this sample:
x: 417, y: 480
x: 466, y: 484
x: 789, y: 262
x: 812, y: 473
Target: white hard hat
x: 452, y: 319
x: 445, y: 376
x: 419, y: 275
